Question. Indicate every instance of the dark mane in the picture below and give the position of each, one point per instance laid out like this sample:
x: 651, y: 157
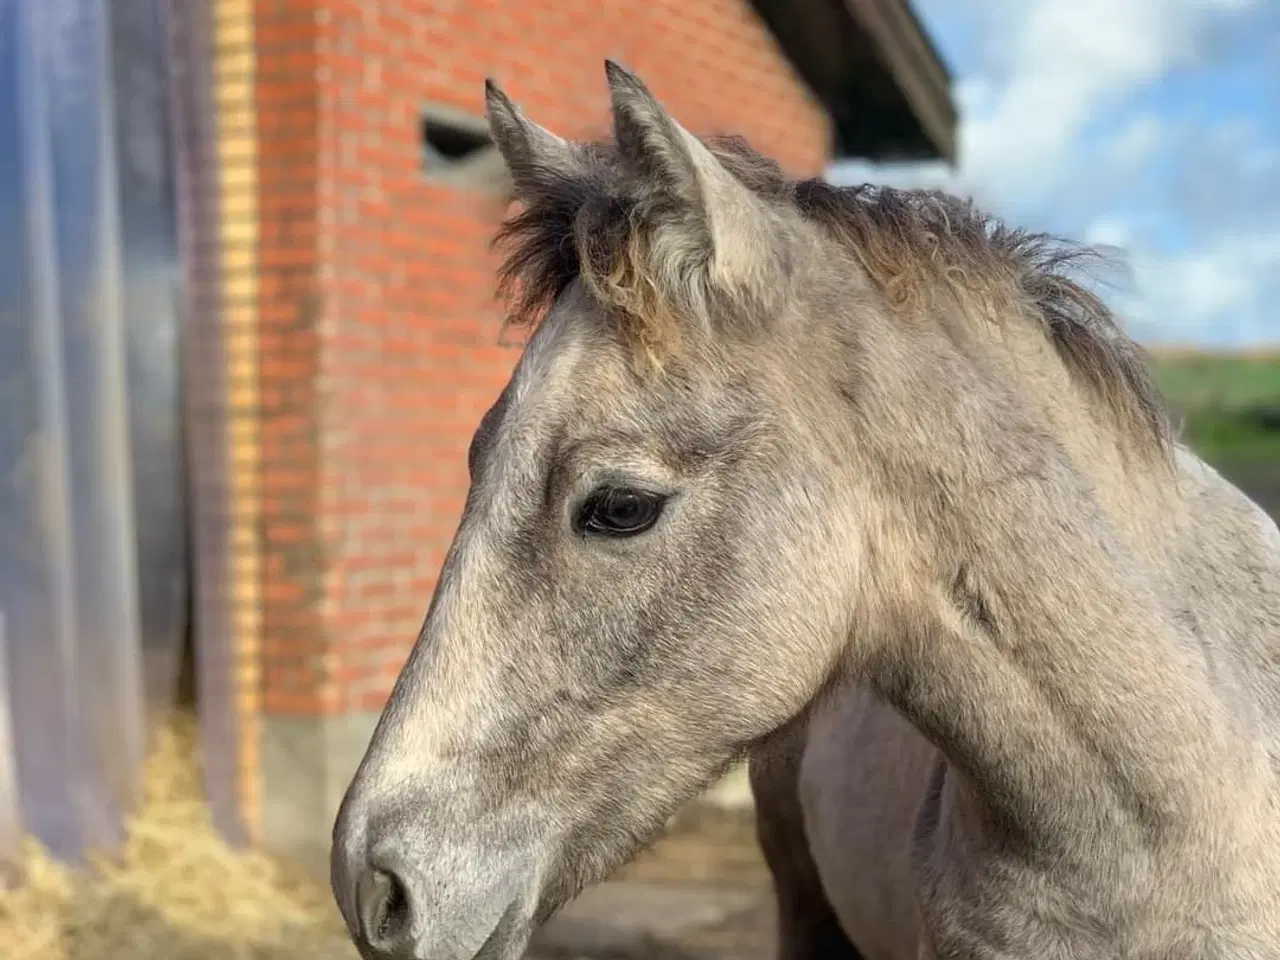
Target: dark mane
x: 915, y: 245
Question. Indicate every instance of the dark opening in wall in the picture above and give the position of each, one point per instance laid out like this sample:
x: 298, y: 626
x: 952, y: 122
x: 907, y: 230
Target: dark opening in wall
x: 450, y: 142
x: 457, y: 149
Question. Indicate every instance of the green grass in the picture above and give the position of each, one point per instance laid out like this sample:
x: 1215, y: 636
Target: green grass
x: 1225, y: 438
x: 1200, y: 381
x: 1231, y: 410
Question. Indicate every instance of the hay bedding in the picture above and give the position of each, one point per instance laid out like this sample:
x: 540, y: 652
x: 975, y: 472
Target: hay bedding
x: 176, y: 892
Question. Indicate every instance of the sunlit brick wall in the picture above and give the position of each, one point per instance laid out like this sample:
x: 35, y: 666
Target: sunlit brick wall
x: 374, y: 324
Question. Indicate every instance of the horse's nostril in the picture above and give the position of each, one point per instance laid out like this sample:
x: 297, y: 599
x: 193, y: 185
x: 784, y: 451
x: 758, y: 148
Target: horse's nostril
x: 395, y: 912
x: 383, y: 905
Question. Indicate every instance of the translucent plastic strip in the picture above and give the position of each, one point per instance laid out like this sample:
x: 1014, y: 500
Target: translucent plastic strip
x: 150, y: 297
x: 74, y: 42
x: 36, y: 570
x: 203, y: 351
x: 10, y: 814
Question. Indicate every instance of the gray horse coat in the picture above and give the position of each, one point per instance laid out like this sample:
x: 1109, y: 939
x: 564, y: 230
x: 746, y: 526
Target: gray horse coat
x: 861, y: 484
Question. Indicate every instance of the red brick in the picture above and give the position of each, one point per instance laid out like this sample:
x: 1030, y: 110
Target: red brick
x: 380, y: 335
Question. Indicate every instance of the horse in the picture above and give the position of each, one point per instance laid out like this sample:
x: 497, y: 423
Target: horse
x: 872, y: 490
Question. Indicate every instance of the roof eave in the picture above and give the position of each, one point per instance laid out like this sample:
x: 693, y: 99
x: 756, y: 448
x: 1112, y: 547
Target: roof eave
x: 872, y: 66
x: 921, y: 75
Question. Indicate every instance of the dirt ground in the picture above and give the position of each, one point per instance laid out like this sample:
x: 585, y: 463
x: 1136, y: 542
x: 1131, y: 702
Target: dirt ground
x: 708, y: 853
x: 716, y: 848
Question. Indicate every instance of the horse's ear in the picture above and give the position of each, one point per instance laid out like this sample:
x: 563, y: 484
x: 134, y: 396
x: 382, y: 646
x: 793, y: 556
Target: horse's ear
x: 534, y: 156
x: 725, y: 214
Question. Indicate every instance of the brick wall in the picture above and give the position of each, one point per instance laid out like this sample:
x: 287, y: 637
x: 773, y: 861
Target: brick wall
x: 376, y: 332
x: 409, y: 325
x: 290, y: 95
x: 234, y: 671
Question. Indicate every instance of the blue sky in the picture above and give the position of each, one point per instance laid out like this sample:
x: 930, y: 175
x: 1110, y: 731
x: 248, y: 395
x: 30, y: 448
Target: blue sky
x: 1148, y: 127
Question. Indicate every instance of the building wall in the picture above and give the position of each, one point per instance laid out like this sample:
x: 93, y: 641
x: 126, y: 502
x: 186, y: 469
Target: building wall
x: 377, y: 332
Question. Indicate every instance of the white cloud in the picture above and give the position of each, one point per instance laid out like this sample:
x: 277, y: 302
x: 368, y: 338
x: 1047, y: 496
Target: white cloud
x: 1056, y: 135
x: 1048, y: 70
x: 1133, y: 146
x: 1113, y: 232
x: 1230, y: 284
x: 1069, y: 60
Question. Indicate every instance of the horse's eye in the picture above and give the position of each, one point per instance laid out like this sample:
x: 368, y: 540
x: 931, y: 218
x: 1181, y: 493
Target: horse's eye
x: 618, y: 512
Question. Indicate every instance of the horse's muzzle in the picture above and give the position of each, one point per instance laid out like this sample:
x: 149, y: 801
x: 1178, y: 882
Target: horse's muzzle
x: 410, y: 891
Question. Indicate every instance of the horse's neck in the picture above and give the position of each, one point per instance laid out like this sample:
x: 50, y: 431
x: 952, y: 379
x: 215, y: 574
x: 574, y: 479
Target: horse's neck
x: 1058, y: 685
x: 1227, y: 557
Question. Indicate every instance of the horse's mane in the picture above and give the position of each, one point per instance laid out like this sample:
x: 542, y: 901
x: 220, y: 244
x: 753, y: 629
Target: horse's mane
x: 914, y: 245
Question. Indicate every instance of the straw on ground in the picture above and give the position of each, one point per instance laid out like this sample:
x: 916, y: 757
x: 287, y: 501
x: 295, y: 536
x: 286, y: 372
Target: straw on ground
x: 176, y: 891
